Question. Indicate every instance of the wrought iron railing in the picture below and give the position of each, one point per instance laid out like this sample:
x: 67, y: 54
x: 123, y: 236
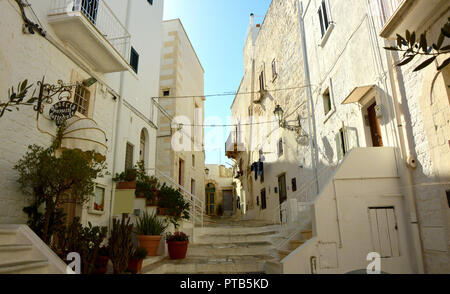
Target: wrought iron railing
x: 387, y: 9
x: 102, y: 17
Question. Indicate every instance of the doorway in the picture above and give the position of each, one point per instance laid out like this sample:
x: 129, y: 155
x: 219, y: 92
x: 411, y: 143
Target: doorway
x: 375, y: 127
x: 210, y: 192
x: 282, y: 192
x: 181, y: 172
x: 227, y: 202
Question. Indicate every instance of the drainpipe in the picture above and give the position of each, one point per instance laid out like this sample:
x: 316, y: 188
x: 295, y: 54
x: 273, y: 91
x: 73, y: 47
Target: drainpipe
x: 117, y: 123
x: 309, y: 99
x: 405, y: 170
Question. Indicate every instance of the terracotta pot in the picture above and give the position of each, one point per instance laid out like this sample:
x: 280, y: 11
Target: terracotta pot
x: 177, y: 250
x: 165, y: 211
x: 153, y: 202
x: 135, y: 265
x: 101, y: 265
x: 126, y: 185
x: 150, y: 243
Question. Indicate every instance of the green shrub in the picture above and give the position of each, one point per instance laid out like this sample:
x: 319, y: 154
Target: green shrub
x: 150, y: 225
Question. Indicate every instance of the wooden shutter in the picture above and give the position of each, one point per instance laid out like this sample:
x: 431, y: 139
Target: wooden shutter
x: 129, y: 156
x: 384, y: 231
x: 263, y: 199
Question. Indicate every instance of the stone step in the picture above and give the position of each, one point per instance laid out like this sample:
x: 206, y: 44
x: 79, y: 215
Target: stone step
x: 228, y: 265
x: 15, y: 252
x: 273, y: 267
x: 25, y: 267
x: 294, y: 244
x: 229, y: 249
x: 306, y: 234
x: 230, y: 230
x: 8, y: 236
x: 235, y: 238
x: 283, y: 253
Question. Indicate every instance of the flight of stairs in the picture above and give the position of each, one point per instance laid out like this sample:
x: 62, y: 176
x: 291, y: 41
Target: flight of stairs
x: 274, y: 266
x: 224, y: 246
x: 22, y: 252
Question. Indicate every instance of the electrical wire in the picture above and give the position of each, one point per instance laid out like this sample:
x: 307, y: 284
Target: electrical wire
x: 230, y: 93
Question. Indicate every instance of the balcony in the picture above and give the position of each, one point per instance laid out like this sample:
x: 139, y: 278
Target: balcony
x: 92, y: 30
x: 234, y: 146
x: 412, y: 15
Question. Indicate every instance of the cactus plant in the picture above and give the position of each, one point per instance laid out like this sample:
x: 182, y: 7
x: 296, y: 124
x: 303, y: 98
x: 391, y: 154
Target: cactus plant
x: 120, y: 244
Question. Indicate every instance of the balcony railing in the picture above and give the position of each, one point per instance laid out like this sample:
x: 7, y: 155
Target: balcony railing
x: 102, y: 18
x: 234, y: 144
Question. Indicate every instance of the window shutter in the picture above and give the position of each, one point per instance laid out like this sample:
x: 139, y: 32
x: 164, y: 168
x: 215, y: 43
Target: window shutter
x: 340, y: 151
x: 321, y: 22
x: 352, y: 138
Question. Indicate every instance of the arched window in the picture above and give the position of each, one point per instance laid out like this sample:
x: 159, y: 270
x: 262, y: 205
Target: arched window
x: 210, y: 199
x: 143, y: 146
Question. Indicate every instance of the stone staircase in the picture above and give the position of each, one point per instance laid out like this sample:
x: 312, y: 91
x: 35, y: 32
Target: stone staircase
x: 274, y: 266
x: 22, y: 252
x: 224, y: 246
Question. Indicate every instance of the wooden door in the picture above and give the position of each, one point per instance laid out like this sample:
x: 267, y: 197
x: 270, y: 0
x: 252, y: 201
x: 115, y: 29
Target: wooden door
x: 282, y: 192
x: 375, y: 127
x: 228, y: 202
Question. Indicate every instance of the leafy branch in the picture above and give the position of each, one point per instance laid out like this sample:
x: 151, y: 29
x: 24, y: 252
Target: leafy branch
x: 413, y: 46
x: 17, y: 98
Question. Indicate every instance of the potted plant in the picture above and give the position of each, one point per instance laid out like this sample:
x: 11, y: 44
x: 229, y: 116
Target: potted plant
x: 177, y: 245
x: 146, y: 186
x: 172, y: 203
x: 126, y: 180
x: 120, y: 244
x: 149, y: 230
x: 135, y: 262
x: 220, y: 209
x: 101, y: 264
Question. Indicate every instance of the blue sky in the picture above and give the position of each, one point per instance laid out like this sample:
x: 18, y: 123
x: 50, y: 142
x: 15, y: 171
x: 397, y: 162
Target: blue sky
x: 217, y: 30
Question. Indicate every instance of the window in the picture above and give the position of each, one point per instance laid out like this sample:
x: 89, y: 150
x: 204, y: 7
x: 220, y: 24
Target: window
x: 99, y: 199
x: 263, y: 199
x: 274, y: 70
x: 192, y: 186
x: 340, y: 144
x: 134, y: 60
x: 150, y: 1
x: 166, y: 93
x: 142, y: 145
x: 326, y: 102
x: 280, y: 147
x: 294, y: 184
x: 193, y: 160
x: 129, y: 156
x: 346, y: 139
x: 261, y: 81
x: 384, y: 229
x: 81, y: 98
x: 324, y: 18
x: 448, y: 197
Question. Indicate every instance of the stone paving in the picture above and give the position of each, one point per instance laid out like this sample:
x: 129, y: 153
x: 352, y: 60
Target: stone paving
x: 223, y: 246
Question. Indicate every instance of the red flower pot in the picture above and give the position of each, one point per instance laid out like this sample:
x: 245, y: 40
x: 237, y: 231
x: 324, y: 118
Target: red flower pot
x: 150, y: 243
x: 177, y: 250
x: 101, y: 265
x: 135, y: 265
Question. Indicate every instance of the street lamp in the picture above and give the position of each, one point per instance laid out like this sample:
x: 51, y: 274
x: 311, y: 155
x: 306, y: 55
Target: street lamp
x: 207, y: 171
x: 278, y: 112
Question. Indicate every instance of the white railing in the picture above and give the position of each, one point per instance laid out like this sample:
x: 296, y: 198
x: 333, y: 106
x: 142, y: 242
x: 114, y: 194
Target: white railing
x: 196, y: 205
x: 305, y: 196
x: 102, y: 17
x: 234, y: 142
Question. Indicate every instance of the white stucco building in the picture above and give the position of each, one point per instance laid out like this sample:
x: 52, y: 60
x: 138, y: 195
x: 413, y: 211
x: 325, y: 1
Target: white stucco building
x: 180, y: 143
x: 352, y: 136
x: 116, y: 42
